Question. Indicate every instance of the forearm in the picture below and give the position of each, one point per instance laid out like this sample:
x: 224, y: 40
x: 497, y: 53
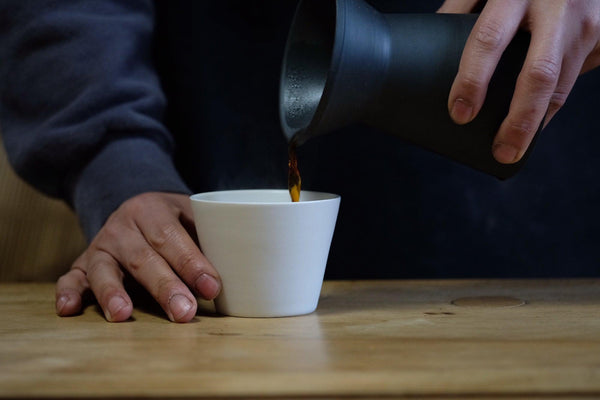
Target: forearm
x: 81, y: 105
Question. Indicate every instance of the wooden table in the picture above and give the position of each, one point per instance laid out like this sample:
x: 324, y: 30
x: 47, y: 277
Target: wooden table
x: 410, y: 339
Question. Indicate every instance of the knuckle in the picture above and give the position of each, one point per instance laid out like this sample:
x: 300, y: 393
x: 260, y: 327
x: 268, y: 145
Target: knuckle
x: 141, y: 259
x: 472, y: 83
x: 79, y: 267
x: 111, y: 232
x: 144, y: 198
x: 489, y: 36
x: 521, y: 131
x: 163, y: 236
x: 137, y: 204
x: 79, y: 275
x: 590, y: 24
x: 187, y: 264
x: 558, y: 100
x: 134, y: 205
x: 93, y: 269
x: 165, y: 287
x: 543, y: 72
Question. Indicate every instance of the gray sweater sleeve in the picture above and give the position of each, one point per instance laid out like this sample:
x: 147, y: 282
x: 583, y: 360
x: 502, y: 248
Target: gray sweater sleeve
x: 81, y: 105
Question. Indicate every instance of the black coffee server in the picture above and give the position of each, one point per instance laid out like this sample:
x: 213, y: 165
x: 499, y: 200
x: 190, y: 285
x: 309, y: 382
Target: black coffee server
x: 345, y: 62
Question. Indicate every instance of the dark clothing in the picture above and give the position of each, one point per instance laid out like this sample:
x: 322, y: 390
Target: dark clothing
x: 102, y: 100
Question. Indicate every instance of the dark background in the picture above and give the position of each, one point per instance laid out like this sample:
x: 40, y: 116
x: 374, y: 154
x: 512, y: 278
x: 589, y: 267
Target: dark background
x: 405, y: 212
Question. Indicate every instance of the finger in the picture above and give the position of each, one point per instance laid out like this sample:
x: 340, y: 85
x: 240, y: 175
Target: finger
x: 593, y: 59
x: 106, y: 281
x: 589, y: 24
x: 167, y: 236
x: 570, y: 70
x: 457, y: 6
x: 490, y: 36
x: 533, y: 91
x: 147, y: 267
x: 69, y: 292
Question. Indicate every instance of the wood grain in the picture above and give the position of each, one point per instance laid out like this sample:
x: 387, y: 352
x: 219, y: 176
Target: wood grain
x: 367, y: 339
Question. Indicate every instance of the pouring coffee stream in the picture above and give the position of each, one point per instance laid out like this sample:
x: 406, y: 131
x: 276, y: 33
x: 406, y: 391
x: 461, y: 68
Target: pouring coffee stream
x: 294, y: 180
x: 345, y: 63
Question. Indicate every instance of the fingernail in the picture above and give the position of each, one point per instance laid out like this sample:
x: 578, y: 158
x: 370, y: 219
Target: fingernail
x: 180, y: 306
x: 61, y: 303
x: 505, y: 153
x: 208, y: 286
x: 115, y: 304
x: 461, y: 111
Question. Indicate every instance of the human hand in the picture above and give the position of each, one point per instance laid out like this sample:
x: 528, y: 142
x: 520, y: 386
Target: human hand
x: 565, y: 42
x: 149, y: 237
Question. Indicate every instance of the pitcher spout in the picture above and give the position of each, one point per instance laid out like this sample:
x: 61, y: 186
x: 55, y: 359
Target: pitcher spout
x: 334, y: 66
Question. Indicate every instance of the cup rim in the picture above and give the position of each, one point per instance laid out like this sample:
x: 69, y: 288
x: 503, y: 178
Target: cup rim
x: 205, y: 197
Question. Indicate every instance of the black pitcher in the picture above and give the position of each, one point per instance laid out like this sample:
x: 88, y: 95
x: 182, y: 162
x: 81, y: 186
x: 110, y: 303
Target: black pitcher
x: 345, y: 62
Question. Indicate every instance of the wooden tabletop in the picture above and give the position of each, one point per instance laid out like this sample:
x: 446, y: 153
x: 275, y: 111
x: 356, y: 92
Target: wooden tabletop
x: 411, y: 339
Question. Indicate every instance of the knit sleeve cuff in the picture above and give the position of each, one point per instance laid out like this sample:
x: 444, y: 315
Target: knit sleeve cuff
x: 122, y: 169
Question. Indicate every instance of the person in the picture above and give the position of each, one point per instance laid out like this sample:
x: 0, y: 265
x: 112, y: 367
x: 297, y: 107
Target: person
x: 123, y: 109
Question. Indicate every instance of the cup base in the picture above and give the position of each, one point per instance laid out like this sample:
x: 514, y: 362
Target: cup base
x: 258, y: 313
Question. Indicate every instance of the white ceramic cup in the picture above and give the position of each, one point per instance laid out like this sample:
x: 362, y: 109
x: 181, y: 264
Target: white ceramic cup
x: 270, y: 252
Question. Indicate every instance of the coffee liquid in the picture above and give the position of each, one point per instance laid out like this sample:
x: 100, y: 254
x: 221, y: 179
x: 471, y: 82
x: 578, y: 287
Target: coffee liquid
x: 294, y: 181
